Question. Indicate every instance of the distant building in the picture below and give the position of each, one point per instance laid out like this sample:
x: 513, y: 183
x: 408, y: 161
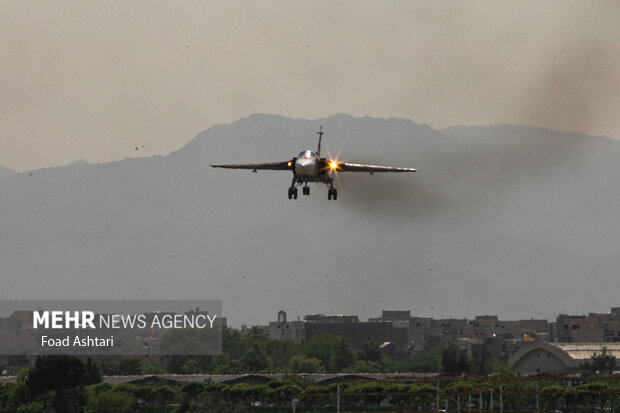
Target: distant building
x: 405, y: 334
x: 331, y: 319
x: 282, y: 329
x: 425, y: 333
x: 580, y: 329
x: 399, y: 319
x: 594, y: 327
x: 392, y: 339
x: 418, y: 333
x: 557, y: 357
x: 358, y: 332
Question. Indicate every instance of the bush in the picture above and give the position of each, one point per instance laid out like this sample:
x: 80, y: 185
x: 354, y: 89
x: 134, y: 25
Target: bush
x: 301, y: 364
x: 356, y: 391
x: 192, y: 389
x: 422, y: 393
x: 32, y: 407
x: 283, y: 393
x: 61, y: 373
x: 12, y: 395
x: 126, y: 388
x: 165, y: 395
x: 553, y: 397
x: 317, y: 395
x: 244, y: 392
x: 111, y: 402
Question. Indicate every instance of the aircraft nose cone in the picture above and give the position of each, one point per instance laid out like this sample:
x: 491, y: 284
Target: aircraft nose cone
x: 304, y: 167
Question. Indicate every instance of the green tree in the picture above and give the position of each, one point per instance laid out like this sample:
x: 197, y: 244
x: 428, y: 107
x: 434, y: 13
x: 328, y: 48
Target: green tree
x: 279, y: 353
x: 603, y: 362
x: 254, y: 360
x: 333, y: 351
x: 12, y: 395
x: 371, y: 351
x: 454, y: 360
x: 110, y: 402
x: 481, y: 358
x: 145, y: 396
x: 553, y: 397
x: 190, y: 391
x: 428, y: 361
x: 458, y: 390
x: 32, y: 407
x: 375, y: 391
x: 343, y: 355
x: 61, y: 373
x: 363, y: 366
x: 165, y: 395
x: 64, y: 375
x: 422, y: 395
x: 301, y: 364
x: 501, y: 368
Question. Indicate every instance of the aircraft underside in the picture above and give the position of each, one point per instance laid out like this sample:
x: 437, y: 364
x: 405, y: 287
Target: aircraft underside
x: 301, y: 180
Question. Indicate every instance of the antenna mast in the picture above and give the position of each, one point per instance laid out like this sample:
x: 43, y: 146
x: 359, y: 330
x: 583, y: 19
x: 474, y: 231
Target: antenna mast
x: 320, y: 133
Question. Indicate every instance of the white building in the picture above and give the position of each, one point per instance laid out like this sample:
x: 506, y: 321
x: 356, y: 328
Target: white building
x: 557, y: 357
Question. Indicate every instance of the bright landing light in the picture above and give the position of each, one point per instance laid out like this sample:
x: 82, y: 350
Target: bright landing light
x: 333, y: 165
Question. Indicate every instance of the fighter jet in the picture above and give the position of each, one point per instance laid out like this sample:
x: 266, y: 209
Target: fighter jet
x: 308, y: 166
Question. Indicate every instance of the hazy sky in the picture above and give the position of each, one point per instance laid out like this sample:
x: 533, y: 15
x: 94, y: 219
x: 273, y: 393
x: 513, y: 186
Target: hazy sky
x: 95, y: 80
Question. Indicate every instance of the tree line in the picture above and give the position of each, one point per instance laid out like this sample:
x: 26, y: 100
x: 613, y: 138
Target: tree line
x: 69, y: 384
x: 324, y: 353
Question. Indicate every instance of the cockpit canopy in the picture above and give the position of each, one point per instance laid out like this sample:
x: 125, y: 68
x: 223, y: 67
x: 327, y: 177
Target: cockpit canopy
x: 307, y: 155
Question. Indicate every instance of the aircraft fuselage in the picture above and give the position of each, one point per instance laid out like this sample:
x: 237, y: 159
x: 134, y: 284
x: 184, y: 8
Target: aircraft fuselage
x: 308, y: 166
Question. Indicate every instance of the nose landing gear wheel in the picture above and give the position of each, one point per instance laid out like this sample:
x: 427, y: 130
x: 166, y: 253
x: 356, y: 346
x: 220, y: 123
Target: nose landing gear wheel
x: 306, y: 190
x: 332, y: 193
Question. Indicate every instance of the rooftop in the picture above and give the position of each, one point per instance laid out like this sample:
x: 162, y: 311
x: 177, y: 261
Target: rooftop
x: 584, y: 351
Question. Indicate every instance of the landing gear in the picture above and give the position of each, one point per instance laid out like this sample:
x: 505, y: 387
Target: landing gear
x: 332, y: 193
x: 292, y: 191
x: 300, y: 181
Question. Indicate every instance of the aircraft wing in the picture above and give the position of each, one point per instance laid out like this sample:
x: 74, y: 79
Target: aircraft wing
x: 274, y: 166
x: 356, y: 167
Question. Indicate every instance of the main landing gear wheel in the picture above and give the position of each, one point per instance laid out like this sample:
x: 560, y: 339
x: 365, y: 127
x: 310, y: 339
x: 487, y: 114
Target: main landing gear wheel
x: 306, y: 190
x: 292, y: 193
x: 332, y: 193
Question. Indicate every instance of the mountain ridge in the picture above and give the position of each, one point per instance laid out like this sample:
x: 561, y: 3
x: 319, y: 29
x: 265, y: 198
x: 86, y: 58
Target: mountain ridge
x: 489, y: 225
x: 6, y: 173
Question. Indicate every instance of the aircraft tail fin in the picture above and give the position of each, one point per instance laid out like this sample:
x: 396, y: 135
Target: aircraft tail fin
x: 320, y: 133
